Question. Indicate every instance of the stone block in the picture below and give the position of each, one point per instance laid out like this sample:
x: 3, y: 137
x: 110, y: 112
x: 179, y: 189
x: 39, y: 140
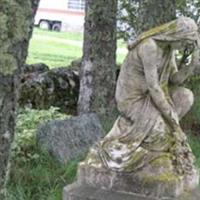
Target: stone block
x: 167, y: 185
x: 85, y: 192
x: 98, y: 183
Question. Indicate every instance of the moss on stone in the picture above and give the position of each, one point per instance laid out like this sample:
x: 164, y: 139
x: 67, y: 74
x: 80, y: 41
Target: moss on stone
x: 167, y: 177
x: 8, y: 64
x: 14, y: 32
x: 4, y: 28
x: 18, y: 20
x: 136, y: 159
x: 93, y: 158
x: 162, y: 161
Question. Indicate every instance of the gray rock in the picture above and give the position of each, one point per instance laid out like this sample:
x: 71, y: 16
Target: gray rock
x: 71, y: 138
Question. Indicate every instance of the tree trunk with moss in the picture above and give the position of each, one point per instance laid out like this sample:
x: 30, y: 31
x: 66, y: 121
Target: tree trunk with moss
x: 97, y: 81
x: 16, y: 19
x: 155, y: 12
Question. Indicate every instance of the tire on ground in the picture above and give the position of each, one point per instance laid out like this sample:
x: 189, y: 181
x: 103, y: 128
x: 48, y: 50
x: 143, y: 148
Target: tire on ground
x: 56, y: 27
x: 44, y: 24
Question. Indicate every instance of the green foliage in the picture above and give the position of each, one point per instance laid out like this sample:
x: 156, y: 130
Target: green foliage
x: 25, y: 138
x: 192, y: 119
x: 195, y: 145
x: 35, y: 175
x: 41, y: 179
x: 129, y: 14
x: 189, y: 8
x: 128, y: 11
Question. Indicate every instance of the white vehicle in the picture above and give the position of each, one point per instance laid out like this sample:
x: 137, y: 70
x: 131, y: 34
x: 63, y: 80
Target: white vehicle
x: 60, y: 15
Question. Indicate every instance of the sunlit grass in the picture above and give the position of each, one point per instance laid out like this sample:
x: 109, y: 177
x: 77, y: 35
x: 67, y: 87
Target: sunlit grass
x: 58, y: 49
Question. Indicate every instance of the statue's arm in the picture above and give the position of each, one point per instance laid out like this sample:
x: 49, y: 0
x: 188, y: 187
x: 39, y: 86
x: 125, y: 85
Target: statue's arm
x: 178, y: 77
x: 148, y: 54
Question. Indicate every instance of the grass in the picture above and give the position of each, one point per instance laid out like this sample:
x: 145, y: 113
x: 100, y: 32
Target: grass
x: 50, y: 48
x: 72, y: 35
x: 194, y: 142
x: 58, y: 49
x: 43, y: 179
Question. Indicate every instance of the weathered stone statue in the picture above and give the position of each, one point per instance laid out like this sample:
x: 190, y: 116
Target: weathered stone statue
x: 146, y: 151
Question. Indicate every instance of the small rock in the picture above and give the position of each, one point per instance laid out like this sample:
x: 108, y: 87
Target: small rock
x: 69, y: 139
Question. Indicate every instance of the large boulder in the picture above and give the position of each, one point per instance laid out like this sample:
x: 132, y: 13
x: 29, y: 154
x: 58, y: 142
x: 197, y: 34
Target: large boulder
x: 69, y: 139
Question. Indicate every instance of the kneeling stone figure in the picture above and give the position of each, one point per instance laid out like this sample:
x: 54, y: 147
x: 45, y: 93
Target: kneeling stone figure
x: 146, y: 151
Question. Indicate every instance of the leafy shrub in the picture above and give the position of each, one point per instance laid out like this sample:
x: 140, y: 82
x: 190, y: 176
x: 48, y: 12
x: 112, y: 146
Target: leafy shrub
x: 25, y: 138
x: 192, y: 120
x: 195, y: 145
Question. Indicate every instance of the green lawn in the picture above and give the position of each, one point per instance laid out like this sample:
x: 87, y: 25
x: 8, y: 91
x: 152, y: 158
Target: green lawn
x: 52, y: 49
x: 69, y: 35
x: 59, y: 48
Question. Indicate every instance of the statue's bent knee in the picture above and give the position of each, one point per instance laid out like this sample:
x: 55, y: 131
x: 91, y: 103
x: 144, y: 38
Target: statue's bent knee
x: 183, y: 99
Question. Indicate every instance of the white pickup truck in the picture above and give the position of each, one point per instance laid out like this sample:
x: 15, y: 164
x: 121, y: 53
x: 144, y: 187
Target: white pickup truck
x: 60, y: 15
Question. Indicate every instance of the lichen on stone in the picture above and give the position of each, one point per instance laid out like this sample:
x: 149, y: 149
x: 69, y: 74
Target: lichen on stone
x: 8, y: 64
x: 163, y: 161
x: 164, y: 177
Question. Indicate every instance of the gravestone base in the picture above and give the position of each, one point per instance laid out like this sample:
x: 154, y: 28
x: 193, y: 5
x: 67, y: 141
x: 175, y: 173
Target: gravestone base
x: 86, y: 192
x: 98, y: 183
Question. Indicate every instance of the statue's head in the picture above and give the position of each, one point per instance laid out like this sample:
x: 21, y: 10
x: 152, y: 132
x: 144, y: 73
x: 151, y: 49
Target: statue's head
x: 178, y: 33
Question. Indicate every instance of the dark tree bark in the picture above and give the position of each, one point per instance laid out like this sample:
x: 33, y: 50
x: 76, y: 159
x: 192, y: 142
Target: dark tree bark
x: 155, y: 12
x: 97, y: 83
x: 16, y: 19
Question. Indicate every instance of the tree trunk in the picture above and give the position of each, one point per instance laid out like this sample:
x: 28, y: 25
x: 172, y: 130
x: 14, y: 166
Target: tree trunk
x: 155, y: 12
x: 16, y: 19
x: 97, y: 83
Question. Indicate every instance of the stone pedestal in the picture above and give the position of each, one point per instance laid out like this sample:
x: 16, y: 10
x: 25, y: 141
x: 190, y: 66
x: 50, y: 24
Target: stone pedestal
x: 99, y: 183
x: 85, y: 192
x: 77, y: 192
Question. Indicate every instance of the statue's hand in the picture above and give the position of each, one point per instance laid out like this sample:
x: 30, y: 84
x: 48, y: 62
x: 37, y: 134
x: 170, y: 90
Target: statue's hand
x: 195, y: 62
x: 177, y: 132
x: 175, y: 118
x: 179, y: 135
